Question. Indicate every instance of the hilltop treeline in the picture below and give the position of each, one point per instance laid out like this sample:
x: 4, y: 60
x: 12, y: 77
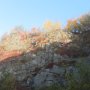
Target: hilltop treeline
x: 75, y: 35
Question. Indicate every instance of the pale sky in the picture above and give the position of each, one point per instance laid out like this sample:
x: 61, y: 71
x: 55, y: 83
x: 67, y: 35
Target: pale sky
x: 30, y: 13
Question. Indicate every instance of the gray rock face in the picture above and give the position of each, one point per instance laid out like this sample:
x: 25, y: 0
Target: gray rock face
x: 37, y: 70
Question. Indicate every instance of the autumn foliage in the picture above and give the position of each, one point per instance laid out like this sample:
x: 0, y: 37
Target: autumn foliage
x: 19, y: 40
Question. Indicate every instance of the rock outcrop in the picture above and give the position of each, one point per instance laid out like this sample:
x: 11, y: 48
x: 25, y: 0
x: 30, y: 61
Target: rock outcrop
x: 38, y: 69
x: 36, y: 59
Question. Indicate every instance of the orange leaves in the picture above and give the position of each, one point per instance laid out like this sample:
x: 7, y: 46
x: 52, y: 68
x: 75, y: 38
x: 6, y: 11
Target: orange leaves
x: 40, y: 39
x: 19, y: 39
x: 57, y: 25
x: 22, y: 35
x: 34, y: 31
x: 9, y: 54
x: 71, y: 24
x: 49, y: 25
x: 75, y: 23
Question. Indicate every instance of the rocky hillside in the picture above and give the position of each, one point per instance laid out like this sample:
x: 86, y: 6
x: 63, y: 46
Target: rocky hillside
x: 20, y: 41
x: 44, y: 67
x: 36, y: 58
x: 40, y: 58
x: 38, y: 69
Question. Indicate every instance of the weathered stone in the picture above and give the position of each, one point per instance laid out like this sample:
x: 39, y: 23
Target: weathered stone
x: 57, y: 70
x: 37, y: 70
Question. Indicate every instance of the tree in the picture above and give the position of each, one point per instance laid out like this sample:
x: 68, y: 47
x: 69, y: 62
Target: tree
x: 18, y: 39
x: 50, y: 26
x: 80, y: 31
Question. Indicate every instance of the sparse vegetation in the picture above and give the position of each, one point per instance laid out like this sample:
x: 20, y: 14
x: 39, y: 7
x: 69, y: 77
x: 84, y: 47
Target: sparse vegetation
x: 7, y: 82
x: 72, y: 41
x: 76, y: 81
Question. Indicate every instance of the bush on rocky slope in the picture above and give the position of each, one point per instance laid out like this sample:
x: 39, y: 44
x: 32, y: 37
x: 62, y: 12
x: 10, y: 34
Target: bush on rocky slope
x: 75, y: 82
x: 7, y: 82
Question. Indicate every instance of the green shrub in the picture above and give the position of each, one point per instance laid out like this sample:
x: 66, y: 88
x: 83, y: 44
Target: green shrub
x: 7, y: 82
x: 53, y: 87
x: 79, y: 81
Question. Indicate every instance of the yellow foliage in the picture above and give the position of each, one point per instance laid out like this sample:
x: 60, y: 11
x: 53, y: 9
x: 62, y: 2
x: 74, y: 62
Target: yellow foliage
x: 57, y: 25
x: 48, y: 25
